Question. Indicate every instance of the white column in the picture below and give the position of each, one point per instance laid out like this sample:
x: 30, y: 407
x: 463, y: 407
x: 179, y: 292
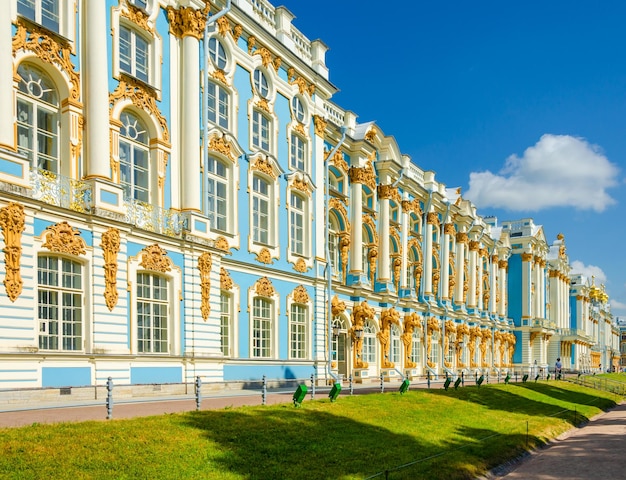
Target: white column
x: 461, y: 242
x: 356, y: 219
x: 502, y: 265
x: 95, y: 76
x: 542, y: 301
x: 190, y: 124
x: 428, y: 253
x: 404, y: 239
x: 493, y: 285
x: 473, y: 260
x: 444, y: 285
x: 384, y: 193
x: 527, y: 259
x: 7, y: 112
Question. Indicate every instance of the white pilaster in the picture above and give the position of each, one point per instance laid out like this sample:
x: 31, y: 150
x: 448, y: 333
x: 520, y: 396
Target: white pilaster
x: 7, y: 113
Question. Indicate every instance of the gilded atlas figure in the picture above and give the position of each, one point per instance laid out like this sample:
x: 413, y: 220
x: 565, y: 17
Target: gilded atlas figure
x: 360, y: 313
x: 387, y: 318
x: 411, y: 322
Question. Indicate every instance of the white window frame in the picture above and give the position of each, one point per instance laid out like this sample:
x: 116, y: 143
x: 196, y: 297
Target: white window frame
x: 155, y: 49
x: 154, y: 302
x: 260, y: 324
x: 333, y: 245
x: 298, y: 147
x: 37, y: 107
x: 299, y: 332
x: 261, y: 135
x: 226, y: 324
x: 370, y: 341
x: 261, y: 211
x: 219, y: 114
x: 298, y: 234
x: 416, y: 351
x: 131, y: 187
x: 174, y: 283
x: 213, y: 179
x: 61, y: 290
x: 66, y: 9
x: 395, y: 345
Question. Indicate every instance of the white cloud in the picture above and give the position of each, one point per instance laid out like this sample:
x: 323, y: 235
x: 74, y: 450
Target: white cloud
x: 558, y: 171
x: 617, y: 307
x: 589, y: 271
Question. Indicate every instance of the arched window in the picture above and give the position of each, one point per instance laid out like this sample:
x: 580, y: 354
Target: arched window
x: 369, y: 342
x: 416, y: 352
x: 338, y: 342
x: 59, y: 303
x: 335, y: 180
x: 394, y: 345
x: 333, y: 244
x: 152, y: 313
x: 38, y: 118
x: 217, y: 53
x: 217, y: 193
x: 134, y: 158
x: 261, y: 328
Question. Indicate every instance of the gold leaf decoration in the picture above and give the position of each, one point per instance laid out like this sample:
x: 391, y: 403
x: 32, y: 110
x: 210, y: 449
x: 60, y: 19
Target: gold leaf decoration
x: 153, y: 257
x: 226, y: 283
x: 264, y: 287
x: 12, y: 223
x: 62, y: 238
x: 264, y: 256
x: 205, y: 262
x: 300, y: 295
x: 110, y: 248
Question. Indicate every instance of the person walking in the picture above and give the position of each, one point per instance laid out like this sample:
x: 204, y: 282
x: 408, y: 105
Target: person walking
x: 557, y: 368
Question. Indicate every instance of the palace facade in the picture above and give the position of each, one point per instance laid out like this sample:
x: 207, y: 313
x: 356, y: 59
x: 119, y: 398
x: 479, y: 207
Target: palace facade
x: 180, y: 197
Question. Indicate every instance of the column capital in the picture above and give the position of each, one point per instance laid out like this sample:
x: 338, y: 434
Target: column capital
x: 187, y: 21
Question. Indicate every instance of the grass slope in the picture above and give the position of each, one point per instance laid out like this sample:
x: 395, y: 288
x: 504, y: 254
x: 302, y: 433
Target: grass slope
x: 441, y: 434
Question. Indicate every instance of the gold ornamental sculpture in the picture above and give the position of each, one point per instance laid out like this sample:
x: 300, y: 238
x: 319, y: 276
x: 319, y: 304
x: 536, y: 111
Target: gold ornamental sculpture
x: 360, y: 314
x: 12, y: 224
x: 110, y: 248
x: 387, y: 318
x: 205, y: 262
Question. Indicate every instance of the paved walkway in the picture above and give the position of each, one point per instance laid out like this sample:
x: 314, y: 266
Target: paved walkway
x: 596, y: 450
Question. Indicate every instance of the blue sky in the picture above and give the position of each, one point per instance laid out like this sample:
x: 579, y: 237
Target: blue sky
x: 522, y: 104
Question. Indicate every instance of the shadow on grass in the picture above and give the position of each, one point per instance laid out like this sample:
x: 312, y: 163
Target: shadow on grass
x: 511, y: 398
x: 298, y: 443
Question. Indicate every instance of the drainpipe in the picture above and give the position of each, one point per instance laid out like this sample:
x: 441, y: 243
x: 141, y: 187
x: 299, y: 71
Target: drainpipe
x: 329, y: 286
x: 211, y: 19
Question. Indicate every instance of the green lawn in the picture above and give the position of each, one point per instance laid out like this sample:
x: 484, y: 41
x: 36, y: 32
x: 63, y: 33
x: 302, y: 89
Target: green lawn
x: 448, y: 434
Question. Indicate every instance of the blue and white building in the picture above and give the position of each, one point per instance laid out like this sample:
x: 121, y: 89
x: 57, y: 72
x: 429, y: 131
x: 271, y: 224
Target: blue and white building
x: 180, y: 197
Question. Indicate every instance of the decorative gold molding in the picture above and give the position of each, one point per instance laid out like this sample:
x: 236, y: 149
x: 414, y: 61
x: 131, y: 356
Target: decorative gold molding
x: 139, y: 95
x: 364, y: 176
x: 187, y: 21
x: 432, y: 218
x: 263, y: 104
x: 138, y: 17
x: 205, y: 262
x: 337, y: 307
x: 462, y: 237
x: 411, y: 322
x: 237, y: 31
x: 370, y: 135
x: 48, y: 49
x: 263, y: 165
x: 222, y: 244
x: 221, y: 145
x: 153, y: 257
x: 338, y: 161
x: 264, y: 287
x: 527, y: 257
x: 303, y: 87
x: 302, y: 185
x: 300, y: 295
x: 448, y: 229
x: 336, y: 204
x: 62, y: 238
x: 226, y: 283
x: 300, y: 266
x: 223, y: 26
x: 12, y: 221
x: 474, y: 246
x: 110, y: 245
x: 388, y: 192
x: 264, y: 256
x: 320, y: 125
x: 220, y: 75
